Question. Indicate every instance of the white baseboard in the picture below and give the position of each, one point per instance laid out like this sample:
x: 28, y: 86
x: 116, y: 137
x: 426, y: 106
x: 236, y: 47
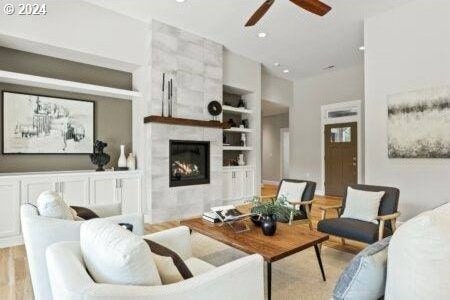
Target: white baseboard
x: 271, y: 182
x: 320, y: 193
x: 11, y: 241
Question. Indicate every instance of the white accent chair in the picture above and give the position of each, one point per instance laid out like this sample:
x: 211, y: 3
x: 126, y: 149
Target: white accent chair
x: 40, y: 232
x: 240, y: 280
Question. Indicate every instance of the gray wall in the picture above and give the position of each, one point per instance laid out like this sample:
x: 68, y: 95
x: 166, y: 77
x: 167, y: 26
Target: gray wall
x: 271, y: 164
x: 305, y: 116
x: 404, y: 55
x: 112, y: 117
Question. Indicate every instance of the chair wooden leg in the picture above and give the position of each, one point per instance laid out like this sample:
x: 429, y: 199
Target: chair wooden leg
x: 343, y: 241
x: 394, y: 225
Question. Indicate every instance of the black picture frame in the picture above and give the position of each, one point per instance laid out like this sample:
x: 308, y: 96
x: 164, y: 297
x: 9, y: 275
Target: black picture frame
x: 3, y: 112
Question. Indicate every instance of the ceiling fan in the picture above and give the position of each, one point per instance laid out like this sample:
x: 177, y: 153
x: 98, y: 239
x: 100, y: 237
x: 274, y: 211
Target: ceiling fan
x: 314, y: 6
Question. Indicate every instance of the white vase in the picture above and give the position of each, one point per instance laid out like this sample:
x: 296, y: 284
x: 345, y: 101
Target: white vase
x: 241, y: 161
x: 122, y: 163
x: 131, y: 162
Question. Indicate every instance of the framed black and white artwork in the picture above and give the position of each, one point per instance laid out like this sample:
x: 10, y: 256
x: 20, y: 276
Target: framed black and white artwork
x: 35, y: 124
x: 419, y: 124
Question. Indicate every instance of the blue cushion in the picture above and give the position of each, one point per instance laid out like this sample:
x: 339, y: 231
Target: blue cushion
x: 365, y: 276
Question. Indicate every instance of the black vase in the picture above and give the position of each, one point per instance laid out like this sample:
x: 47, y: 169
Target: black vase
x: 269, y: 225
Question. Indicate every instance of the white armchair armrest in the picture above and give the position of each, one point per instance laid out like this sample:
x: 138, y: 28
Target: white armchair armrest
x: 106, y: 210
x: 241, y: 280
x: 176, y: 239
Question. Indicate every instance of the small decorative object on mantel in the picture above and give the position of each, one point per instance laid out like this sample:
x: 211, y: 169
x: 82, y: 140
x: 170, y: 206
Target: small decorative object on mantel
x: 131, y: 162
x: 241, y: 161
x: 167, y: 94
x: 271, y: 211
x: 98, y: 157
x: 241, y: 103
x: 215, y: 109
x: 122, y: 163
x: 245, y: 123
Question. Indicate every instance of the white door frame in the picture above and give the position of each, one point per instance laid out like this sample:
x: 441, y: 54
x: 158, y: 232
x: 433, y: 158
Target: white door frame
x: 283, y: 130
x: 325, y: 120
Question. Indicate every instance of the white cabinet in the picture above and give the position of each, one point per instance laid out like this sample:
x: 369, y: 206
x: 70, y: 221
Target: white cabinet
x: 238, y: 184
x: 33, y: 186
x: 74, y: 189
x: 130, y: 194
x: 249, y: 184
x: 77, y: 188
x: 9, y: 208
x: 104, y: 189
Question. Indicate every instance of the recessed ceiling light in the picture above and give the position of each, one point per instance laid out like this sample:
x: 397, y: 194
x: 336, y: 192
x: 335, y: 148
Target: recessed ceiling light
x: 362, y: 48
x: 286, y: 71
x: 180, y: 1
x: 276, y: 64
x: 262, y: 34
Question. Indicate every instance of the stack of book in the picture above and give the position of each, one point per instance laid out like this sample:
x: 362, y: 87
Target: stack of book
x: 227, y: 213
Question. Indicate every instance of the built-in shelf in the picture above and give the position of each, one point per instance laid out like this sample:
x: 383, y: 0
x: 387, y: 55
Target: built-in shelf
x: 236, y: 148
x: 185, y: 122
x: 65, y: 85
x: 237, y: 129
x: 237, y: 110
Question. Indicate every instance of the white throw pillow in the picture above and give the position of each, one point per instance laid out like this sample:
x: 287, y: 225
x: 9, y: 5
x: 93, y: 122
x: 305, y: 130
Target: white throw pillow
x: 51, y: 205
x: 419, y: 258
x: 362, y: 205
x: 293, y: 191
x: 114, y: 255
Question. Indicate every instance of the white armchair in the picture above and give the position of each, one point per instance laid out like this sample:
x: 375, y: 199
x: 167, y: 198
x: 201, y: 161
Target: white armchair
x: 241, y: 279
x: 40, y: 232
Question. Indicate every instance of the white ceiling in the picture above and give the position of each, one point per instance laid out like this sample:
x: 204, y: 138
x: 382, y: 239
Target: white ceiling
x: 302, y: 42
x: 271, y: 108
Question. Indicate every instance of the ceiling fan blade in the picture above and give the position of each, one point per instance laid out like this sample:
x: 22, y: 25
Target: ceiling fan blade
x: 259, y: 13
x: 315, y: 6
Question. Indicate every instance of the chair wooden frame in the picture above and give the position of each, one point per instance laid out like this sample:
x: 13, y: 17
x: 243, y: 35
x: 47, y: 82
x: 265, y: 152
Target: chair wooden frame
x: 382, y: 219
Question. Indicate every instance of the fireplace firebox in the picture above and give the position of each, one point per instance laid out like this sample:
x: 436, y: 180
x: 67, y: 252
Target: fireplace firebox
x: 188, y: 163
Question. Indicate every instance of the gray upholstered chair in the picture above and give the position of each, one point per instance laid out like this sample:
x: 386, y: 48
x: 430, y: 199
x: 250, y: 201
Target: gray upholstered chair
x: 362, y: 231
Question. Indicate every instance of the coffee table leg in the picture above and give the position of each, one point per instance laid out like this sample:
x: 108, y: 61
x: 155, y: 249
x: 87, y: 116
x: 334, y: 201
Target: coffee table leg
x: 269, y: 280
x: 319, y: 259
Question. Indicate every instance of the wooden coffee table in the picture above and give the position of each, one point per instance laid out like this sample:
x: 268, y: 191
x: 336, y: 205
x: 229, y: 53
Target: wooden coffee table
x: 288, y: 239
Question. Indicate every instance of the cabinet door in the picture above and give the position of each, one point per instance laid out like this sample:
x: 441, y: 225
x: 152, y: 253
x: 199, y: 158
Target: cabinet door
x: 249, y: 184
x: 34, y: 186
x: 227, y: 185
x: 238, y: 185
x: 9, y: 208
x: 74, y: 190
x: 130, y: 194
x: 103, y: 190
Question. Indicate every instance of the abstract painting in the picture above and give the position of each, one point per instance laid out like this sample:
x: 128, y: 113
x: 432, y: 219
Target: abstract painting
x: 419, y: 124
x: 34, y: 124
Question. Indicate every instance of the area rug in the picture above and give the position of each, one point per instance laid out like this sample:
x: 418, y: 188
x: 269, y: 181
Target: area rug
x: 294, y: 277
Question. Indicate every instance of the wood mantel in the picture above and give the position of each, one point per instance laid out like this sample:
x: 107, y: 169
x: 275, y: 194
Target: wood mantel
x: 185, y: 122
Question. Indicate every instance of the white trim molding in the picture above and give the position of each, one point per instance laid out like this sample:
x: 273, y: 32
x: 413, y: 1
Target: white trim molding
x: 325, y: 120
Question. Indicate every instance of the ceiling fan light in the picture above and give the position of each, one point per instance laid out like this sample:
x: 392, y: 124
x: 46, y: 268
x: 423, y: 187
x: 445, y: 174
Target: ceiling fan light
x: 286, y: 71
x: 362, y: 48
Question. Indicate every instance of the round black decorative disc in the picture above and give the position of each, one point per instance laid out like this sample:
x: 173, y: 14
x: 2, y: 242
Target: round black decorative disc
x: 214, y: 108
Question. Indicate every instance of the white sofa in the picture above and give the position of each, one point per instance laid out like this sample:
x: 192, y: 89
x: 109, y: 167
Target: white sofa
x: 240, y: 280
x: 418, y: 265
x: 40, y: 232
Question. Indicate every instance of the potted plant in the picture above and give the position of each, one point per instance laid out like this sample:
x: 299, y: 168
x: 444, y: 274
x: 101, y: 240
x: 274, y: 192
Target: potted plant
x: 268, y: 212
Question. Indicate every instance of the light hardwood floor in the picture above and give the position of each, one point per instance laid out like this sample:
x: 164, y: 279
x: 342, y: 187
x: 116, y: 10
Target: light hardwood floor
x: 15, y: 281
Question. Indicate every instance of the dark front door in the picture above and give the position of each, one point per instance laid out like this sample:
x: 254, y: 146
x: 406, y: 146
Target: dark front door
x: 341, y: 157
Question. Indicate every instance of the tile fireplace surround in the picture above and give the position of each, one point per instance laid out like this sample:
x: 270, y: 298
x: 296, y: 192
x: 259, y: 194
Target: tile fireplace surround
x: 199, y: 80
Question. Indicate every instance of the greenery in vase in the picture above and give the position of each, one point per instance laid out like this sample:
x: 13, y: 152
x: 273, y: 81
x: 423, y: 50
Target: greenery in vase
x: 279, y: 207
